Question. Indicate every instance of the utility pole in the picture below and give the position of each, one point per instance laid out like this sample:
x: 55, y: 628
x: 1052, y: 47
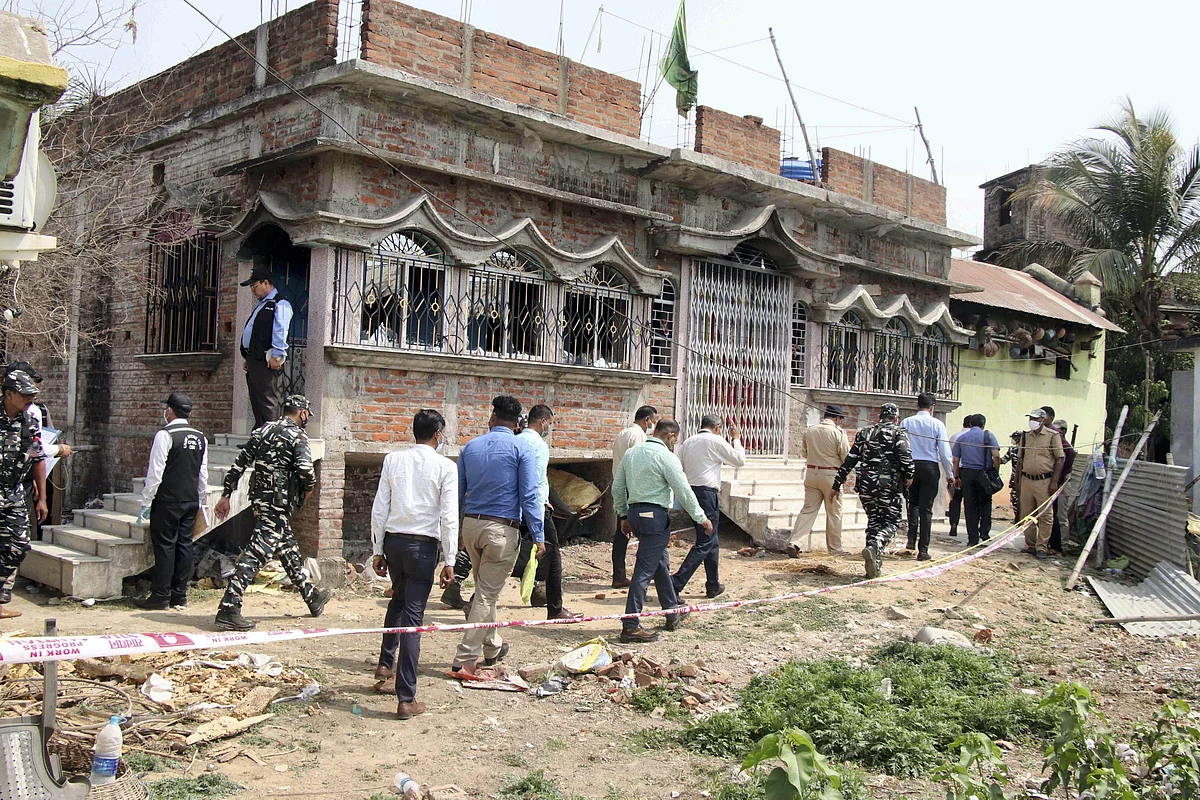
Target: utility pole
x: 812, y: 160
x: 928, y: 149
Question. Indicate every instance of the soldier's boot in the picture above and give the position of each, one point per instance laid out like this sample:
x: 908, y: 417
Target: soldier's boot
x: 871, y: 560
x: 231, y: 619
x: 319, y: 600
x: 453, y: 596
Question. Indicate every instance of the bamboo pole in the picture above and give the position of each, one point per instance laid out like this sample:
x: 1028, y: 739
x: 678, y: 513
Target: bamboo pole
x: 1108, y: 479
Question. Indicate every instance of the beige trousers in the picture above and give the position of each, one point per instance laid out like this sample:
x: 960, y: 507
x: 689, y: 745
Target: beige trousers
x: 818, y: 491
x: 493, y: 549
x: 1033, y: 494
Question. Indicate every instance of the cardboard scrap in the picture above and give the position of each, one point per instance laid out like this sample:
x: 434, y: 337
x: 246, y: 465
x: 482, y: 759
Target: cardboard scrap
x: 256, y: 702
x: 223, y: 728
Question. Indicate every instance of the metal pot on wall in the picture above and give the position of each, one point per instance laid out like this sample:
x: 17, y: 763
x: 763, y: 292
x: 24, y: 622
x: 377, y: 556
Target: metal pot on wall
x: 990, y: 349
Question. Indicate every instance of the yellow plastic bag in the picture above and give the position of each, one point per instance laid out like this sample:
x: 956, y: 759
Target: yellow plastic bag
x: 588, y: 657
x: 529, y: 578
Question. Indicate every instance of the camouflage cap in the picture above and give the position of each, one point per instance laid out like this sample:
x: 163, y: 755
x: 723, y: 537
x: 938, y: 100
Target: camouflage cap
x: 889, y: 410
x: 296, y: 402
x: 20, y: 381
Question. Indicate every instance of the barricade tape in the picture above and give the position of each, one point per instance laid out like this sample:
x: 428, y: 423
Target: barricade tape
x: 68, y: 648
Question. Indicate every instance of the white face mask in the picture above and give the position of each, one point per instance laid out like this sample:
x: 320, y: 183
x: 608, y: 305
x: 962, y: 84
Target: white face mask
x: 1034, y: 424
x: 164, y: 417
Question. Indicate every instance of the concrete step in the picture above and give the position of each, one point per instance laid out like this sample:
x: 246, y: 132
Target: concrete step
x: 131, y: 502
x: 70, y: 571
x: 756, y: 471
x: 124, y: 525
x: 230, y: 439
x: 764, y: 488
x: 125, y: 556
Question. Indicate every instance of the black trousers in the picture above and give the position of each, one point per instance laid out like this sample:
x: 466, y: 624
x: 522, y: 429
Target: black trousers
x: 707, y: 549
x: 265, y: 386
x: 977, y: 497
x: 171, y: 534
x: 412, y: 565
x: 956, y: 504
x: 619, y: 548
x: 921, y: 495
x: 1055, y: 542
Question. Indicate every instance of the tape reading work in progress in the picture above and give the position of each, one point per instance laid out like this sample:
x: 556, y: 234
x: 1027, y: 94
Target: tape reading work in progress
x: 66, y: 648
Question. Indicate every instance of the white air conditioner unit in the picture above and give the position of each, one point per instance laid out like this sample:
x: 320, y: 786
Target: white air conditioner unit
x: 26, y: 200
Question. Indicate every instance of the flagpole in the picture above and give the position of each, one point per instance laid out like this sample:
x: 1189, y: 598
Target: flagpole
x: 816, y: 171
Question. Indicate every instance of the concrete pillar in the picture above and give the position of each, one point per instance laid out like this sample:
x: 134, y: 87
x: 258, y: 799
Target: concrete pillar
x: 320, y: 324
x: 243, y: 418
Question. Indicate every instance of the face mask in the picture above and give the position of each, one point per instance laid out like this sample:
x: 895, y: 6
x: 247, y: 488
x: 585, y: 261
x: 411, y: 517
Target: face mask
x: 440, y: 447
x: 546, y: 433
x: 304, y: 422
x: 1034, y: 424
x: 164, y: 417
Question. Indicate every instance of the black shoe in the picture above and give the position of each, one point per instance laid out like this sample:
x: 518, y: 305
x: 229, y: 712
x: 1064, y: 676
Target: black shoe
x: 453, y: 596
x: 537, y: 598
x: 924, y: 557
x: 954, y: 531
x: 496, y: 659
x: 231, y: 619
x: 5, y: 595
x: 319, y: 601
x: 638, y: 635
x: 870, y: 561
x: 712, y: 594
x: 675, y: 621
x: 972, y: 542
x: 912, y: 545
x: 151, y: 603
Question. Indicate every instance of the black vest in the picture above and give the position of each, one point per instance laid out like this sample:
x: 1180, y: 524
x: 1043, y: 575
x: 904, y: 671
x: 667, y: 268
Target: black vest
x: 261, y: 333
x: 181, y: 476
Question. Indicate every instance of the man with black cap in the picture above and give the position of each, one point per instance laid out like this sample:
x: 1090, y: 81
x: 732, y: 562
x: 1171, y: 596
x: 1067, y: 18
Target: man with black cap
x: 283, y: 475
x: 823, y: 447
x: 264, y: 345
x: 176, y: 487
x: 20, y: 455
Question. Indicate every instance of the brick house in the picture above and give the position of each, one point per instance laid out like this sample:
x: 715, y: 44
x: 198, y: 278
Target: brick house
x: 555, y: 256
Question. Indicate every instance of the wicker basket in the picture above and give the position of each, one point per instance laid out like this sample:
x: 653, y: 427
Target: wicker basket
x: 77, y: 759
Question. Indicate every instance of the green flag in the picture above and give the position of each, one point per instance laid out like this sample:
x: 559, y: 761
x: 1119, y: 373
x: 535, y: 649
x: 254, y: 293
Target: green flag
x: 676, y: 68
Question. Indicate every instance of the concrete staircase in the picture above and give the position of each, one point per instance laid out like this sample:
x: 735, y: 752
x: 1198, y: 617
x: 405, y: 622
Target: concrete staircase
x: 92, y: 555
x: 764, y: 497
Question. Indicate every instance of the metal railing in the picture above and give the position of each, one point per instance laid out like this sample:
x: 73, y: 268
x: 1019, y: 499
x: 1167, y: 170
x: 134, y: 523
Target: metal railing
x: 181, y: 305
x: 885, y: 362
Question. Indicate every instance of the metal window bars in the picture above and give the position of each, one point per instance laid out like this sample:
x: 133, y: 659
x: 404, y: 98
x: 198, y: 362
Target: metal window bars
x: 662, y: 320
x: 405, y: 294
x: 891, y: 361
x: 799, y: 344
x: 181, y: 305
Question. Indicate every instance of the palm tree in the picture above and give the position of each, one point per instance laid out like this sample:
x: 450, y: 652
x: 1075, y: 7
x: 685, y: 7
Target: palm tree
x: 1130, y: 201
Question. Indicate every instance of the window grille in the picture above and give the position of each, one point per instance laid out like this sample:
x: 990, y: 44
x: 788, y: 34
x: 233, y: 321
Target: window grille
x: 892, y: 352
x: 799, y: 344
x: 845, y: 352
x: 662, y: 320
x: 181, y: 307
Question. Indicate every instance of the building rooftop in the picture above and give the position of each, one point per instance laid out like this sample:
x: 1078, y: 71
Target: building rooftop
x: 1018, y: 291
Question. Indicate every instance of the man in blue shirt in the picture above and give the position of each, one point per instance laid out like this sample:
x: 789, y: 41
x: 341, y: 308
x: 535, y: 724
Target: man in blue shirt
x: 974, y: 452
x: 929, y: 444
x: 264, y: 346
x: 497, y: 487
x: 537, y: 429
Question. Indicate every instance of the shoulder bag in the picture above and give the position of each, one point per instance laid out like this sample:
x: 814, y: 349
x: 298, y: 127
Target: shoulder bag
x: 995, y: 482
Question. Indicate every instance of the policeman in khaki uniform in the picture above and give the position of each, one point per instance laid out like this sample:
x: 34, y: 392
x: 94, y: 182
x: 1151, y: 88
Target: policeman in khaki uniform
x: 283, y: 476
x: 20, y: 455
x: 885, y: 471
x: 1040, y: 458
x: 823, y: 447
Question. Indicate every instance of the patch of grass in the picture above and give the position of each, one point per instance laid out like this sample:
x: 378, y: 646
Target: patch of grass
x: 939, y: 693
x: 207, y: 786
x: 148, y: 762
x: 516, y: 760
x: 554, y: 743
x: 256, y: 740
x: 384, y: 796
x: 533, y: 786
x: 651, y: 697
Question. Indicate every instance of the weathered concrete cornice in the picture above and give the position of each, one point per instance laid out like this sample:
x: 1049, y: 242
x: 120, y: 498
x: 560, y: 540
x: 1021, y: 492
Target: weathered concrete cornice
x: 315, y: 228
x: 876, y: 315
x: 762, y: 226
x: 846, y: 397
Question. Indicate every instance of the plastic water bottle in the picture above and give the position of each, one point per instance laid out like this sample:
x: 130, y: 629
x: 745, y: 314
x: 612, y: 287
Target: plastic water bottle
x: 1098, y: 462
x: 885, y: 686
x: 408, y: 787
x: 107, y: 753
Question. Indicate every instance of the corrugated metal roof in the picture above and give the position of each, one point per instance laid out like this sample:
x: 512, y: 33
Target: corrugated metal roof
x: 1167, y: 590
x: 1020, y: 291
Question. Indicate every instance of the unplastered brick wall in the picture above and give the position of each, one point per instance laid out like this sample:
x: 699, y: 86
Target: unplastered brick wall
x: 900, y: 191
x: 441, y: 49
x: 742, y: 139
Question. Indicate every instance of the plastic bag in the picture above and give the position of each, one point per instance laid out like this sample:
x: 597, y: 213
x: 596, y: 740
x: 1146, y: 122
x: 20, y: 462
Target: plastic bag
x: 528, y: 579
x: 588, y: 657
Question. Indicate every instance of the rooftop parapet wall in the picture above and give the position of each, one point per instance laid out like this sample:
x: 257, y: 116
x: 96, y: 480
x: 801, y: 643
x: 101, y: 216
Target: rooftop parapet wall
x: 742, y: 139
x: 432, y: 46
x: 900, y: 191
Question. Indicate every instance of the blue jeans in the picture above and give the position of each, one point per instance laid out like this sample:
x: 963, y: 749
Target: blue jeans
x: 412, y: 565
x: 652, y: 525
x: 707, y: 549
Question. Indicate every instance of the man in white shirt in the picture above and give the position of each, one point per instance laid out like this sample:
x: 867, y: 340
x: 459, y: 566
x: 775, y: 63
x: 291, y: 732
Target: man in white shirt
x: 415, y: 510
x: 702, y: 456
x: 930, y: 446
x: 537, y: 429
x: 176, y: 488
x: 644, y: 420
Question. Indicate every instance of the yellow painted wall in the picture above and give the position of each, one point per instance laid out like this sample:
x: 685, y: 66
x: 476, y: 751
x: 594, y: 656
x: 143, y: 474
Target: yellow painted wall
x: 1005, y: 390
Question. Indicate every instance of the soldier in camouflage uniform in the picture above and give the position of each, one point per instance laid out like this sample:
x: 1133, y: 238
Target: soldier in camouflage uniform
x: 20, y: 455
x: 885, y: 468
x: 283, y: 475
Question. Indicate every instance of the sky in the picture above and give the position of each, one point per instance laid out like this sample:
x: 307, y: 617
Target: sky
x: 998, y: 85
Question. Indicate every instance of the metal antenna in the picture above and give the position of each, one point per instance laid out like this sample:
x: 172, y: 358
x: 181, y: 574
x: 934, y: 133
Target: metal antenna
x: 928, y: 149
x: 807, y: 145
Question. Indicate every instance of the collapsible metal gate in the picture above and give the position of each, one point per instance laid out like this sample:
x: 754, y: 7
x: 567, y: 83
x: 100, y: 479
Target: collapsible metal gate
x: 739, y: 340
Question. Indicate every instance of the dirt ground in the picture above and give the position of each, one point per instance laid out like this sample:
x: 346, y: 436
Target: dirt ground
x: 348, y: 744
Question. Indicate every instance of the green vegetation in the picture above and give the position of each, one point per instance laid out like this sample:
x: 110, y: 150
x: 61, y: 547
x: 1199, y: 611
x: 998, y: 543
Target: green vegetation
x: 938, y: 695
x: 657, y: 695
x: 533, y: 786
x: 205, y: 787
x: 142, y: 763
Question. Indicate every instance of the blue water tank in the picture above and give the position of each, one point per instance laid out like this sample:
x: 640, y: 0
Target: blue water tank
x: 798, y: 169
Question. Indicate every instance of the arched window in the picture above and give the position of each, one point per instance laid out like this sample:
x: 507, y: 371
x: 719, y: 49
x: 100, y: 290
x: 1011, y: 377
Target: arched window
x: 507, y: 309
x: 844, y: 352
x: 891, y: 352
x: 799, y: 344
x: 750, y: 256
x: 404, y: 287
x: 595, y: 319
x: 662, y: 322
x: 933, y: 367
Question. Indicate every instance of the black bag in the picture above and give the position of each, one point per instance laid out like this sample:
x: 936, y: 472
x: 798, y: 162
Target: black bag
x: 995, y: 482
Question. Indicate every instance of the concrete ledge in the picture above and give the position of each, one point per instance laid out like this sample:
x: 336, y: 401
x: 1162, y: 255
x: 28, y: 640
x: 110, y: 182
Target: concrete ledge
x: 201, y: 363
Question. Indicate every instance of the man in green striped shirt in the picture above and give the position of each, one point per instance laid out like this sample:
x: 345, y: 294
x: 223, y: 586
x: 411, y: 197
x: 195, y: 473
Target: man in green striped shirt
x: 647, y: 480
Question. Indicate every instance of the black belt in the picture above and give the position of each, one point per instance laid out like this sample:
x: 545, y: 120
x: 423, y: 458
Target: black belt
x: 409, y: 535
x: 1041, y: 477
x: 512, y: 523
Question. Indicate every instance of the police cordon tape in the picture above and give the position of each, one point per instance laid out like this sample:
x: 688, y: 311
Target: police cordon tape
x: 67, y: 648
